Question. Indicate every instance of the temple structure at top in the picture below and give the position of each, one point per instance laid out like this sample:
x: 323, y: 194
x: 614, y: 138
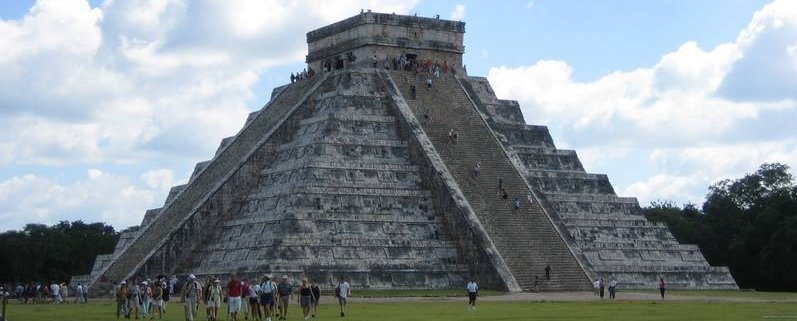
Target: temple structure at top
x: 354, y: 172
x: 381, y: 37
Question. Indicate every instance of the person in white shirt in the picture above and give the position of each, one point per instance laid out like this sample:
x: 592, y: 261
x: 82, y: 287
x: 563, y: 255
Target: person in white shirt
x: 55, y: 291
x: 596, y: 285
x: 342, y: 292
x: 473, y: 292
x: 254, y: 301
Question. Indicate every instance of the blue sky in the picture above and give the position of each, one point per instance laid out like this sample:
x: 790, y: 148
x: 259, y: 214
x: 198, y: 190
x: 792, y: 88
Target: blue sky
x: 105, y: 105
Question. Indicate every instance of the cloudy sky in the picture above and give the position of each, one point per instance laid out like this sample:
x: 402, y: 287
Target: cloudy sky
x: 104, y: 105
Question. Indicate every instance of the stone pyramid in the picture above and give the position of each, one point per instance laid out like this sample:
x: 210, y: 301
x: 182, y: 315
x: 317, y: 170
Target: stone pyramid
x: 350, y: 173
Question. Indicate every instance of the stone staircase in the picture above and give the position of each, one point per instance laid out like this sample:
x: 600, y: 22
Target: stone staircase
x: 208, y: 180
x: 525, y: 238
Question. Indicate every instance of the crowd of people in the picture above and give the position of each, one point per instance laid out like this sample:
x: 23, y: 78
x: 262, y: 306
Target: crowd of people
x: 259, y: 300
x: 306, y: 73
x: 47, y: 293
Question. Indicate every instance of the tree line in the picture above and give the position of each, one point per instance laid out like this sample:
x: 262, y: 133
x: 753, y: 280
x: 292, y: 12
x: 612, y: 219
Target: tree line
x: 748, y: 224
x: 41, y: 253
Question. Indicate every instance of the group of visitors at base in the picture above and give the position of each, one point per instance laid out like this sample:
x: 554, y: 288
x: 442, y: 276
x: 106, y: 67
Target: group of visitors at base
x: 41, y: 292
x: 144, y: 299
x: 242, y: 298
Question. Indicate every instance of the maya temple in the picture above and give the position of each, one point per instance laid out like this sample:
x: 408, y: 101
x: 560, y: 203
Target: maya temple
x: 352, y: 173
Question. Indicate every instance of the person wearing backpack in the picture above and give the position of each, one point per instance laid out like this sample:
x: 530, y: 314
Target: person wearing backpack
x: 121, y: 300
x: 342, y: 292
x: 268, y: 291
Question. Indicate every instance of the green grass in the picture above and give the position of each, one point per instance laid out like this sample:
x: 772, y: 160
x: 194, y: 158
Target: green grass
x: 742, y: 294
x: 443, y: 311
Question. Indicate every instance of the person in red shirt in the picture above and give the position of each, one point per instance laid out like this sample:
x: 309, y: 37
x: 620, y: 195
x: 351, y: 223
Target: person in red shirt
x: 234, y: 296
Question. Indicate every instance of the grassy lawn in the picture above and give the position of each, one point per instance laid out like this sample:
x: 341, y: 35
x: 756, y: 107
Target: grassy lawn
x: 743, y: 294
x: 595, y: 310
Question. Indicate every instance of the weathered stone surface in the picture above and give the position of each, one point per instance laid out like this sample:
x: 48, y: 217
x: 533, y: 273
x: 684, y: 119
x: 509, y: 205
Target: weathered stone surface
x: 608, y: 232
x: 343, y: 174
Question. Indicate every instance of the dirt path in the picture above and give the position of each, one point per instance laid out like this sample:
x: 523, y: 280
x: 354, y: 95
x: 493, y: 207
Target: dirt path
x: 574, y: 296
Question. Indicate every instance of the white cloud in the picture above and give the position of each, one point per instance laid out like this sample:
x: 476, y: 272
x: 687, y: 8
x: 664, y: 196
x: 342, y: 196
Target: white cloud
x: 530, y: 5
x: 141, y: 83
x: 458, y: 14
x: 98, y: 196
x: 702, y: 114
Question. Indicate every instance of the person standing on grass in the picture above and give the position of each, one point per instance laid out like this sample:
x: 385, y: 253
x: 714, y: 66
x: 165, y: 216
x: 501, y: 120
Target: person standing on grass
x: 245, y: 298
x: 602, y: 287
x: 316, y: 290
x: 190, y: 296
x: 612, y: 288
x: 305, y: 298
x: 78, y: 293
x: 214, y: 299
x: 595, y: 286
x: 268, y: 292
x: 156, y: 304
x: 254, y: 301
x: 662, y: 286
x: 134, y: 295
x: 342, y: 292
x: 121, y: 301
x: 285, y: 292
x: 473, y: 292
x: 234, y: 290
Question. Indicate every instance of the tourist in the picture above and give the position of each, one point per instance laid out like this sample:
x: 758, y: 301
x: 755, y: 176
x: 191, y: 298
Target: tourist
x: 504, y: 194
x: 477, y: 169
x: 500, y: 184
x: 342, y: 292
x: 64, y: 293
x: 121, y: 300
x: 190, y: 295
x: 548, y: 272
x: 234, y: 291
x: 456, y: 137
x: 602, y: 287
x: 451, y: 136
x: 268, y: 292
x: 596, y: 286
x: 305, y: 298
x: 245, y: 298
x: 530, y: 198
x: 55, y: 292
x: 285, y: 292
x: 79, y: 293
x: 429, y: 83
x: 536, y: 283
x: 134, y: 298
x: 516, y: 203
x: 612, y: 288
x: 157, y: 300
x: 165, y: 295
x: 254, y: 301
x: 146, y: 298
x: 473, y: 292
x: 214, y: 299
x: 293, y: 78
x: 412, y: 92
x: 662, y: 287
x: 316, y: 290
